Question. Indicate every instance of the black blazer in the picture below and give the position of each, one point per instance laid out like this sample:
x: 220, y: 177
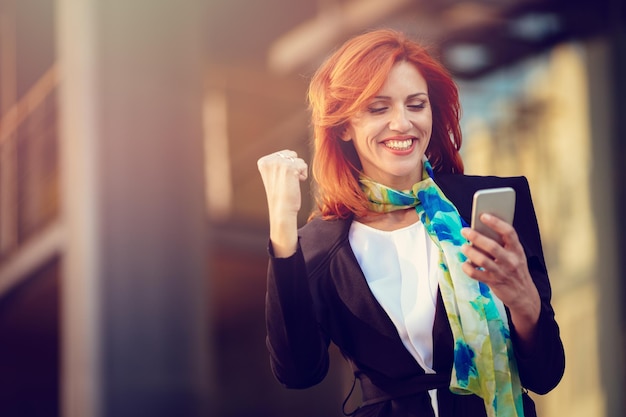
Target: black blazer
x: 320, y: 295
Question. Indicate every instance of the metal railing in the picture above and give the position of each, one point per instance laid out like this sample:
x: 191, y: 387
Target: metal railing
x: 29, y: 180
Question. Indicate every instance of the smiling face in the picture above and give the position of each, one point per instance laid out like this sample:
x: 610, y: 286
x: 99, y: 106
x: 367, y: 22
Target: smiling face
x: 392, y: 133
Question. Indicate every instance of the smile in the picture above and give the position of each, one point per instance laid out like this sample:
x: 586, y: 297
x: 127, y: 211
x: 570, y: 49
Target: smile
x: 399, y: 145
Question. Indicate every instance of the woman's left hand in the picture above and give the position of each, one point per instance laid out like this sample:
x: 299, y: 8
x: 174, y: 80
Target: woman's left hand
x: 504, y: 269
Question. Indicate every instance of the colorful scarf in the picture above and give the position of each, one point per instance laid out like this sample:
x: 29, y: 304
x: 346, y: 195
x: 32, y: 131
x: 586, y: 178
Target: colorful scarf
x: 484, y: 363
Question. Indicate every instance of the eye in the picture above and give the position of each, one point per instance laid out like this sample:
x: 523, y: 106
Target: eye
x: 377, y: 106
x: 377, y: 109
x: 417, y: 106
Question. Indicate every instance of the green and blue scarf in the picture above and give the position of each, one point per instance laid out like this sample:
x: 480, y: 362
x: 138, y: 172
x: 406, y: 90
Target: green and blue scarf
x: 484, y: 363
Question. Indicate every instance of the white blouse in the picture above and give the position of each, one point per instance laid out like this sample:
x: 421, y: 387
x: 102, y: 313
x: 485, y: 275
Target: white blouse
x: 401, y: 268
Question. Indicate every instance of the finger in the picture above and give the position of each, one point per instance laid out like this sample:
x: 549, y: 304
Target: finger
x: 507, y: 263
x: 287, y: 154
x: 484, y: 269
x: 480, y: 241
x: 478, y: 258
x: 504, y: 229
x: 302, y: 169
x: 291, y: 157
x: 497, y: 260
x: 474, y: 272
x: 284, y: 159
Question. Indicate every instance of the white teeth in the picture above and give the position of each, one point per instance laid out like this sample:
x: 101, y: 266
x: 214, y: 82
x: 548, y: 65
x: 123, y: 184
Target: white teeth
x: 399, y: 145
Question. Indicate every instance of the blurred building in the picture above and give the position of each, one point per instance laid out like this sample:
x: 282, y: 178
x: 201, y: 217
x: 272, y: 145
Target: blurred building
x: 540, y: 122
x: 133, y: 221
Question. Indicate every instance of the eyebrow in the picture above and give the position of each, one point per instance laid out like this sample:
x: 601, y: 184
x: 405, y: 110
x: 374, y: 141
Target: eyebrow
x: 409, y: 97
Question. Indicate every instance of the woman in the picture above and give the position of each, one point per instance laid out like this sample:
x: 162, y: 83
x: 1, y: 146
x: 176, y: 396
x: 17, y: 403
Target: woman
x: 435, y: 318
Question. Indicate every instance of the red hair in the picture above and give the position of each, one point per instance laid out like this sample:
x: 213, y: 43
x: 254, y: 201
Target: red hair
x: 343, y: 85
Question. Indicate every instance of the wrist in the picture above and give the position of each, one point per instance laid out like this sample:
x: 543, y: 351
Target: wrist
x: 284, y: 235
x: 525, y: 317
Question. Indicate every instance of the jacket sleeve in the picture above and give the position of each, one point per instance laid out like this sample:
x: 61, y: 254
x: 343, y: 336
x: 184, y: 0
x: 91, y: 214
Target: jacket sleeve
x: 297, y: 346
x: 540, y: 369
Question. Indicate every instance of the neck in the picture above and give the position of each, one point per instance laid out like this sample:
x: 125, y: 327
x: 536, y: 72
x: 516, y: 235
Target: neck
x: 390, y: 221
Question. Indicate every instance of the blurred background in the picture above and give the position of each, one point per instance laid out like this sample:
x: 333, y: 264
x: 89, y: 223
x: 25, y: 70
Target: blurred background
x: 133, y: 222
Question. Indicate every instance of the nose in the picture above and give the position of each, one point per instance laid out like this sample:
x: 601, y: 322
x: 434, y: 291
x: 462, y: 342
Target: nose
x: 399, y: 121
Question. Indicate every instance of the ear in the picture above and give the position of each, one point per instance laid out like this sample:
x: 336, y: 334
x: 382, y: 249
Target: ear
x: 346, y: 134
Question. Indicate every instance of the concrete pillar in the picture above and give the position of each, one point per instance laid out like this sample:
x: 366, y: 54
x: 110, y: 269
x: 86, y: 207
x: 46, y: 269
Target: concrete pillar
x: 618, y: 85
x: 135, y: 328
x: 606, y: 66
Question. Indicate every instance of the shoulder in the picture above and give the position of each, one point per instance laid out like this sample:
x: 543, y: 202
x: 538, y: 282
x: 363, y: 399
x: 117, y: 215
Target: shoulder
x: 468, y: 184
x: 318, y: 228
x: 460, y: 189
x: 319, y: 239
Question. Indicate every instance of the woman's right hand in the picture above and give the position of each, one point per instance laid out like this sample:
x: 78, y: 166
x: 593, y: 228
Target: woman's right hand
x: 281, y: 173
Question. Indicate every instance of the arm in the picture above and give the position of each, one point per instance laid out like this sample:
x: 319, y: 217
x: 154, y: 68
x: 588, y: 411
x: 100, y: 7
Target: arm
x: 281, y: 173
x: 542, y: 363
x: 516, y: 273
x: 298, y: 348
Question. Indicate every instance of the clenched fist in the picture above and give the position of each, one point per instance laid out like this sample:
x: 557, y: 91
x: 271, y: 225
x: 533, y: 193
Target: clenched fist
x: 281, y: 173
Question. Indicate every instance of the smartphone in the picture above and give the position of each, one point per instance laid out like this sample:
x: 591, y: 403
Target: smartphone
x: 499, y: 202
